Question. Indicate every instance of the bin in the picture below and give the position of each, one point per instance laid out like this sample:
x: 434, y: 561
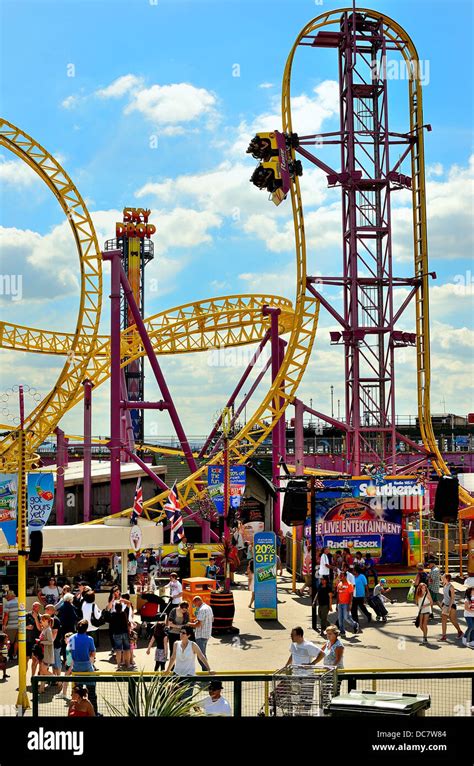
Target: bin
x: 199, y: 562
x: 380, y: 703
x: 198, y: 586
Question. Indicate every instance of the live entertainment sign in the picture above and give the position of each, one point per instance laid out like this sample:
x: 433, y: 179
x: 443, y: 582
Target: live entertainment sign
x: 135, y: 223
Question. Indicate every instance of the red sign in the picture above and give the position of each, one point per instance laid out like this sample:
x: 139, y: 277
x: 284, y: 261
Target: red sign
x: 135, y: 223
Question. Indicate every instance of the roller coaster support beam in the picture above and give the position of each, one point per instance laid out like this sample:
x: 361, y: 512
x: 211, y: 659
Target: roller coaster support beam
x: 277, y: 445
x: 114, y: 256
x: 126, y: 428
x: 87, y: 449
x: 235, y: 393
x: 61, y: 462
x: 299, y: 437
x: 165, y: 392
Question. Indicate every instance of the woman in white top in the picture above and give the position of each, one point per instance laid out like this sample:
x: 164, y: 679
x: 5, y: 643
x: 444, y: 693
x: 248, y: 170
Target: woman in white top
x: 424, y: 603
x: 183, y: 659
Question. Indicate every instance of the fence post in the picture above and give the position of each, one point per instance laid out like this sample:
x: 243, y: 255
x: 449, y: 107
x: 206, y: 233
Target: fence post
x: 351, y: 683
x: 237, y: 698
x: 132, y: 697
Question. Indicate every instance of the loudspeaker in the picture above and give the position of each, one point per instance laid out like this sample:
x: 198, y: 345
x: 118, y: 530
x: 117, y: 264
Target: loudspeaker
x: 295, y: 505
x: 36, y: 547
x: 446, y: 503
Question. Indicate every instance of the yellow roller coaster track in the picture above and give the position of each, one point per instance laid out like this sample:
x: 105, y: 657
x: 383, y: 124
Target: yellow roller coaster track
x: 49, y: 412
x: 235, y: 320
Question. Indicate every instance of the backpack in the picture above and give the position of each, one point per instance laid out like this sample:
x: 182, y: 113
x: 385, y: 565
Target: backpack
x: 96, y: 622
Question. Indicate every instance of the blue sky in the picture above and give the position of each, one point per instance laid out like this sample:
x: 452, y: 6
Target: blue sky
x: 216, y: 233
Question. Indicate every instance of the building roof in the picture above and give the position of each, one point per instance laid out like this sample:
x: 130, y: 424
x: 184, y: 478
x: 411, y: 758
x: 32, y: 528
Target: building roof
x: 100, y: 472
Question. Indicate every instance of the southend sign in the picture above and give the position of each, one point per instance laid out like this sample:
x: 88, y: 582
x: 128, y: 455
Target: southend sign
x: 135, y: 224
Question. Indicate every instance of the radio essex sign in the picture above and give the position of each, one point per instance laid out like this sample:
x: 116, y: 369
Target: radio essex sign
x: 135, y: 223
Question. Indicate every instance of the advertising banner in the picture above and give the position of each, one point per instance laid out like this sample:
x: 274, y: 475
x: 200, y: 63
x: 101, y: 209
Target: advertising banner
x: 265, y: 579
x: 215, y: 481
x: 40, y: 493
x: 365, y: 516
x: 8, y: 507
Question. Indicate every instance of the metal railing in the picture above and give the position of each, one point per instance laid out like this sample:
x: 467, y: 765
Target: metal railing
x: 250, y: 694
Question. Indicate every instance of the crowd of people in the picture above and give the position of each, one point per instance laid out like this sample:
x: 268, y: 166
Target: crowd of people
x: 63, y: 627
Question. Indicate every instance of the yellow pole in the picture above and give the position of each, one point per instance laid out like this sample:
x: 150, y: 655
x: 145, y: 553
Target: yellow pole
x: 293, y: 560
x: 22, y: 702
x: 446, y: 548
x: 460, y: 536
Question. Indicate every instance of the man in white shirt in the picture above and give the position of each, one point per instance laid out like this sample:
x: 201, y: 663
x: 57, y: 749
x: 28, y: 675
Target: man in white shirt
x: 302, y: 652
x: 215, y: 704
x: 202, y: 624
x: 324, y: 567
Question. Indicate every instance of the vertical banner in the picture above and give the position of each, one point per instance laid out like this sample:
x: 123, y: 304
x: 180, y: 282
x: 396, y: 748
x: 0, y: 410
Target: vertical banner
x: 215, y: 482
x: 8, y: 507
x: 215, y: 486
x: 40, y: 491
x: 265, y: 579
x: 237, y: 485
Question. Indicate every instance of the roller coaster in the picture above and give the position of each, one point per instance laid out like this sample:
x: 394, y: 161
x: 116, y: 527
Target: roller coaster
x: 238, y: 320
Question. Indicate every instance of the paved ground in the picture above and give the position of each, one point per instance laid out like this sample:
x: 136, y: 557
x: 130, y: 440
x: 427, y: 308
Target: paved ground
x: 264, y: 646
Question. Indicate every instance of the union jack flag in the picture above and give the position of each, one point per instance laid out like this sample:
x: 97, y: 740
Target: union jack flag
x: 172, y: 509
x: 318, y: 484
x: 137, y: 502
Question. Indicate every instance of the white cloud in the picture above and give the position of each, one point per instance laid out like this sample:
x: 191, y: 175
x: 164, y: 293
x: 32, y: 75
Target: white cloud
x: 71, y: 102
x: 308, y: 114
x: 16, y: 173
x: 170, y: 104
x: 449, y: 216
x: 120, y: 87
x: 266, y: 85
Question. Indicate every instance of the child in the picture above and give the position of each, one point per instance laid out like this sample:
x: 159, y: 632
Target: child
x: 161, y: 652
x: 63, y: 692
x: 4, y: 654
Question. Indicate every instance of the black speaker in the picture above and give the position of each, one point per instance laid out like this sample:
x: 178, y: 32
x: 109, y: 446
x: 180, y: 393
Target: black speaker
x: 446, y: 503
x: 295, y: 505
x: 36, y: 547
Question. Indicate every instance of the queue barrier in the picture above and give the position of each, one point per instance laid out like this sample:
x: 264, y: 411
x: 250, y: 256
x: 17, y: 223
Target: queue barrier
x: 250, y: 694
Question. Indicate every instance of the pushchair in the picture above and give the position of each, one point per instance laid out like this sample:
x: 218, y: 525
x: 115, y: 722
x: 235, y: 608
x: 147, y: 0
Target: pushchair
x: 379, y: 608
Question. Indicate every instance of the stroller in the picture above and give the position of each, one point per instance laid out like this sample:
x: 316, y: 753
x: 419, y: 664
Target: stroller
x: 376, y: 603
x: 151, y: 613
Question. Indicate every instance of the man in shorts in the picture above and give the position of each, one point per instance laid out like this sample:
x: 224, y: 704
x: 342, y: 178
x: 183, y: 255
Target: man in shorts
x: 434, y: 580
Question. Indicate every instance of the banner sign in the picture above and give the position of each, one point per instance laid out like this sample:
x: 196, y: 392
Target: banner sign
x: 8, y: 507
x: 215, y: 481
x: 265, y: 579
x: 364, y: 516
x: 40, y: 493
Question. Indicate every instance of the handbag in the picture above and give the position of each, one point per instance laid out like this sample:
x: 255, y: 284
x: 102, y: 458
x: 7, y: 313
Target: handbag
x: 418, y: 618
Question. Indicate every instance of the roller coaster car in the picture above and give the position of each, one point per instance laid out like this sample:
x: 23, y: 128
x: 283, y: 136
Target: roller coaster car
x: 263, y: 146
x: 267, y: 176
x: 275, y: 172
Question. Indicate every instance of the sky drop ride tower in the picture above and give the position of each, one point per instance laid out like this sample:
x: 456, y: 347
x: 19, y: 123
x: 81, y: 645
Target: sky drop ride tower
x: 137, y: 252
x: 375, y: 163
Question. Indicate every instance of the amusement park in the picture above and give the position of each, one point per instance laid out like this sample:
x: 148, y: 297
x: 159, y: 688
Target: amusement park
x: 237, y: 427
